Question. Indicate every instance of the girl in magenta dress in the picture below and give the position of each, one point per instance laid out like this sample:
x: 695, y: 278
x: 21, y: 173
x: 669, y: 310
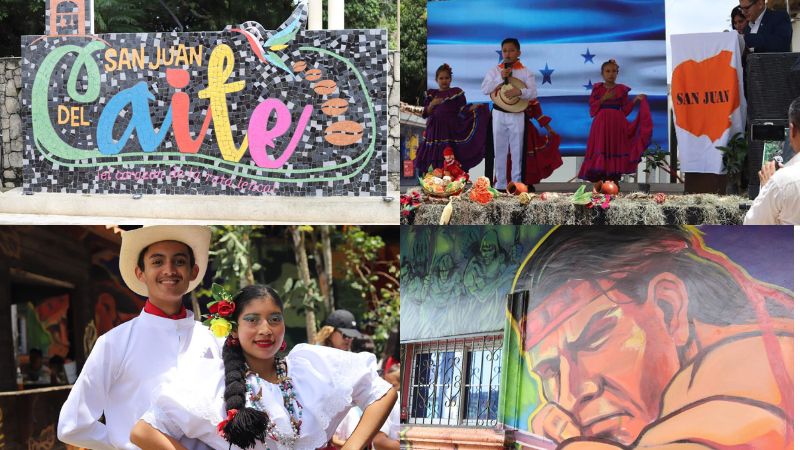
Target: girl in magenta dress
x: 615, y: 145
x: 451, y: 123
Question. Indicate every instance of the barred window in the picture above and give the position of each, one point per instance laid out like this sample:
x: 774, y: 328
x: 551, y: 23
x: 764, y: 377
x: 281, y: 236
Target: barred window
x: 456, y: 381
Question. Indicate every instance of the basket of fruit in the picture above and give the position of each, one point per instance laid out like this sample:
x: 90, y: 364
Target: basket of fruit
x: 436, y: 184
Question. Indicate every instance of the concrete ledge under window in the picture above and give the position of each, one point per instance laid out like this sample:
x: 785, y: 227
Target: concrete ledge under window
x: 461, y: 438
x: 59, y: 208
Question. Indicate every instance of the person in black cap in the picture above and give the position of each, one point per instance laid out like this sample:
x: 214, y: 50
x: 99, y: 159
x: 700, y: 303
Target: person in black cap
x: 338, y: 330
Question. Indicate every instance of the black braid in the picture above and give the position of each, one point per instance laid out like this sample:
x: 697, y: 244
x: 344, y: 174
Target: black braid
x: 249, y: 425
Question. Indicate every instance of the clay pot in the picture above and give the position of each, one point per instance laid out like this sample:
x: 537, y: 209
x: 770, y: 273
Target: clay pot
x: 609, y: 187
x: 516, y: 188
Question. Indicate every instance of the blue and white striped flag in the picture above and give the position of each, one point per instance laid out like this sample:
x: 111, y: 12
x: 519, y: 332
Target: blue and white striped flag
x: 563, y: 44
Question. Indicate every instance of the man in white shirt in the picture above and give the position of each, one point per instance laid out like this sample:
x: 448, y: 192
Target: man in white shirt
x: 508, y: 128
x: 778, y: 202
x: 127, y: 365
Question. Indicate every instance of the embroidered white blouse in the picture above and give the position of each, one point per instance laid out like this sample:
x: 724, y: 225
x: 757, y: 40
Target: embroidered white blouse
x: 327, y: 383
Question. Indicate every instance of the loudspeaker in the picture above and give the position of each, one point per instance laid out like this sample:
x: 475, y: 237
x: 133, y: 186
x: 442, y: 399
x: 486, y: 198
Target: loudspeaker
x: 773, y: 81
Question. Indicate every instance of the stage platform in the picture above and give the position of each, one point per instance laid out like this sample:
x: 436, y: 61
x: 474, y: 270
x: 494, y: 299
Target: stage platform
x: 626, y: 209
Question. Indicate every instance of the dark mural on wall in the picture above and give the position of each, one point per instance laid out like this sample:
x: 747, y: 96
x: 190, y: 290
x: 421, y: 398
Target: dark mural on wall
x: 450, y: 273
x: 244, y: 111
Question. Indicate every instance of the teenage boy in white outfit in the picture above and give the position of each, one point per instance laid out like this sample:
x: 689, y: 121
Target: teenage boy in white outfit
x: 128, y: 364
x: 508, y: 127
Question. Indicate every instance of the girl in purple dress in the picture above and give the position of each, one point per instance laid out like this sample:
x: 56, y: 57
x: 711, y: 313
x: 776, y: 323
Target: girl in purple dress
x: 615, y: 145
x: 451, y: 123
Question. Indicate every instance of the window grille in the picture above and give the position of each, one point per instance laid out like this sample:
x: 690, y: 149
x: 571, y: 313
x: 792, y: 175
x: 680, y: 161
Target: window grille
x: 455, y: 382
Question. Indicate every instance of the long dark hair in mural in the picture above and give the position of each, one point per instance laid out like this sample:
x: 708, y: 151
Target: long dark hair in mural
x: 653, y: 337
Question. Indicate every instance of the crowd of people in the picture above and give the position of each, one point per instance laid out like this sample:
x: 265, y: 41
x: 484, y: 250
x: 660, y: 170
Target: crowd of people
x: 164, y: 380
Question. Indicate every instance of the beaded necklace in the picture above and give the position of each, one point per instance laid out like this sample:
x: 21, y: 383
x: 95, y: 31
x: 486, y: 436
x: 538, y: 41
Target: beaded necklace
x: 289, y: 402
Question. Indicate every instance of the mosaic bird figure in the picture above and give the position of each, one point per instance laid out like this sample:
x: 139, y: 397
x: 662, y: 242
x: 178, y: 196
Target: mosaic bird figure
x: 265, y: 44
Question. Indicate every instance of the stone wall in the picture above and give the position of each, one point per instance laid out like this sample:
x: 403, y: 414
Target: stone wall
x: 394, y: 121
x: 11, y: 144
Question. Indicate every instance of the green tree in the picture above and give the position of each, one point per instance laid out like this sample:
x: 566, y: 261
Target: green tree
x: 19, y: 18
x: 413, y: 50
x: 369, y: 14
x: 233, y: 255
x: 376, y: 280
x: 114, y: 16
x: 210, y: 15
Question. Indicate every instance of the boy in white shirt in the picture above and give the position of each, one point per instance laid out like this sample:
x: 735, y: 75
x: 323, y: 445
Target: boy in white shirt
x: 128, y: 364
x: 508, y: 128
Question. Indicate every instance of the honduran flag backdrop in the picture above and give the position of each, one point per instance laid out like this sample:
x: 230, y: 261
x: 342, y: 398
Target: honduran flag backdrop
x: 563, y: 43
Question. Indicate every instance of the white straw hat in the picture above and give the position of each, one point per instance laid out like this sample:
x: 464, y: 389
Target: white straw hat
x: 198, y: 238
x: 501, y: 99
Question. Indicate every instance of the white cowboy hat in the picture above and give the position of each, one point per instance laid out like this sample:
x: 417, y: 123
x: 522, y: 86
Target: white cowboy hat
x: 500, y: 98
x: 198, y: 238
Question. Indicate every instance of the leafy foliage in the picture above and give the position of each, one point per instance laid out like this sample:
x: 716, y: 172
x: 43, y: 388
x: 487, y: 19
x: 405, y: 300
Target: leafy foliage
x: 299, y: 296
x: 19, y: 18
x: 413, y: 50
x: 25, y: 17
x: 370, y: 14
x: 654, y: 157
x: 377, y: 281
x: 734, y: 154
x: 233, y: 256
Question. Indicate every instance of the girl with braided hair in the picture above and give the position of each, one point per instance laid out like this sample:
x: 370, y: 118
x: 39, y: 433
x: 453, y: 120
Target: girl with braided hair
x: 254, y: 398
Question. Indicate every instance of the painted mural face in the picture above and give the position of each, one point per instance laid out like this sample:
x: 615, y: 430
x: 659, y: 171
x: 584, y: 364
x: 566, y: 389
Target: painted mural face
x: 653, y: 338
x: 489, y: 246
x: 605, y: 358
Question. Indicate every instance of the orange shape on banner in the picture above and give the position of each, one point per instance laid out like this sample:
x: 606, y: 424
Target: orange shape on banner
x: 704, y: 94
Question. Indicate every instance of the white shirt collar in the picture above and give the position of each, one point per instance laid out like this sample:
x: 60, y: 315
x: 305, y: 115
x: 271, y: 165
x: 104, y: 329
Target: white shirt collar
x: 754, y: 26
x: 165, y: 323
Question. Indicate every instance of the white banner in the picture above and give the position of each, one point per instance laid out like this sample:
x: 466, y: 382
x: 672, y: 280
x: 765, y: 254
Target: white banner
x: 707, y: 96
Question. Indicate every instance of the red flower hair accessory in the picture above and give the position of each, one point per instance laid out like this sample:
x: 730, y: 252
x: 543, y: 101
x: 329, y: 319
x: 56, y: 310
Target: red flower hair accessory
x: 221, y: 308
x: 221, y: 425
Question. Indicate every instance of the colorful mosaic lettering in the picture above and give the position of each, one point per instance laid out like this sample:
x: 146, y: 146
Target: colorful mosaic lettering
x: 244, y: 111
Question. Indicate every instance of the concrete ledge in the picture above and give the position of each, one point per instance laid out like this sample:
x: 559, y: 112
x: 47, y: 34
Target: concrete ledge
x: 57, y: 208
x: 461, y: 438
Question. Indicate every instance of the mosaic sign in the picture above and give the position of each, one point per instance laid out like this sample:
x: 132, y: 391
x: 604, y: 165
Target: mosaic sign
x: 244, y: 111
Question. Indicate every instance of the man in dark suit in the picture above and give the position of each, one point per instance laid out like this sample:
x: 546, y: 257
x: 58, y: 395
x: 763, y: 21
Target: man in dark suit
x: 773, y: 29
